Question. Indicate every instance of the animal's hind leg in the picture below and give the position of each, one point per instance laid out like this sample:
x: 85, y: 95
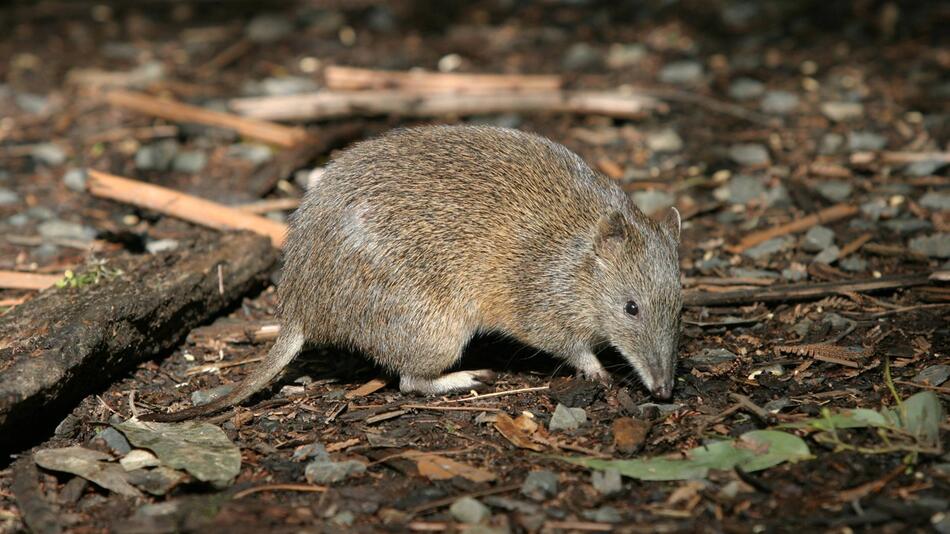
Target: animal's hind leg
x: 447, y: 383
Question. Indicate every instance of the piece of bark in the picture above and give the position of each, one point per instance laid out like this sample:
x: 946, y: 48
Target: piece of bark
x: 182, y: 205
x: 339, y: 104
x: 827, y: 215
x: 267, y: 132
x: 340, y: 78
x: 805, y: 291
x: 66, y: 343
x: 37, y: 513
x: 21, y: 280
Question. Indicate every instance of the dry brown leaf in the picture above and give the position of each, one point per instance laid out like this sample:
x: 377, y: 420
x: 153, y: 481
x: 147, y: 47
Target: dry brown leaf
x: 372, y: 386
x: 515, y: 431
x: 435, y: 467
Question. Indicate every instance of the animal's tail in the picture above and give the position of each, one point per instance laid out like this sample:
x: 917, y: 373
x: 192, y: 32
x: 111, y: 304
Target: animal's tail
x: 288, y: 344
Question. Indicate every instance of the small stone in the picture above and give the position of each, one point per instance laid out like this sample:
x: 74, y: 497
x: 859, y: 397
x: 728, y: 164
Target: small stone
x: 606, y: 482
x: 653, y: 200
x: 18, y: 219
x: 682, y: 73
x: 191, y: 161
x: 710, y: 357
x: 565, y: 418
x: 861, y: 141
x: 935, y: 246
x: 156, y: 156
x: 204, y: 396
x: 835, y: 190
x: 539, y: 485
x: 818, y: 238
x: 115, y: 440
x: 878, y: 209
x: 794, y: 275
x: 933, y: 375
x: 741, y: 189
x: 854, y: 264
x: 776, y: 406
x: 139, y: 459
x: 604, y: 514
x: 8, y: 197
x: 268, y: 27
x: 255, y: 153
x: 842, y: 111
x: 75, y: 180
x: 323, y: 471
x: 287, y: 85
x: 829, y: 255
x: 622, y: 55
x: 629, y: 434
x: 780, y: 102
x: 60, y: 229
x: 936, y: 201
x: 749, y: 154
x: 581, y: 56
x: 746, y: 89
x: 907, y: 225
x: 48, y: 154
x: 830, y: 143
x: 745, y: 272
x: 32, y: 103
x: 652, y: 410
x: 161, y: 245
x: 344, y: 518
x: 665, y: 140
x: 469, y: 510
x: 924, y: 168
x: 767, y: 248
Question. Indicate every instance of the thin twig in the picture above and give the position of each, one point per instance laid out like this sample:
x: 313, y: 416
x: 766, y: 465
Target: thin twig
x: 279, y: 487
x: 499, y: 394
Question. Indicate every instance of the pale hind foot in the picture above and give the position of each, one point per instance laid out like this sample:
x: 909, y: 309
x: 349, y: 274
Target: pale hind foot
x: 589, y: 367
x: 447, y: 383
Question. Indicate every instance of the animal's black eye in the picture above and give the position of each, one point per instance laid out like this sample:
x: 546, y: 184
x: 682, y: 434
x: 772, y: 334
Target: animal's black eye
x: 631, y: 308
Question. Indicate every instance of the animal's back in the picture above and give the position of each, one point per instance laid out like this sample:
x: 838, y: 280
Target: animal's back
x: 461, y: 219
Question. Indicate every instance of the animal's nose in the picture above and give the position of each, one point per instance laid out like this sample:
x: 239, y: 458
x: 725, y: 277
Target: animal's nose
x: 663, y: 390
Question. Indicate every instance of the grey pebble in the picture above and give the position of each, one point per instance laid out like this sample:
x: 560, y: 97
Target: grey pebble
x: 75, y: 180
x: 746, y: 89
x: 767, y: 248
x: 936, y: 200
x: 710, y: 357
x: 933, y: 375
x: 924, y: 168
x: 749, y: 154
x: 161, y: 245
x: 268, y: 27
x: 682, y: 73
x: 31, y: 103
x: 156, y: 156
x: 324, y: 471
x: 606, y: 482
x: 8, y: 197
x: 665, y: 140
x: 540, y: 485
x: 621, y: 55
x: 18, y: 219
x: 878, y: 209
x: 854, y: 264
x: 935, y: 246
x: 835, y: 190
x: 741, y: 189
x: 604, y: 514
x: 469, y: 510
x: 842, y: 111
x: 830, y: 143
x: 49, y: 154
x: 907, y: 225
x: 746, y: 272
x: 255, y: 153
x: 60, y: 229
x: 115, y: 440
x: 828, y: 255
x: 581, y: 56
x: 189, y: 161
x: 204, y: 396
x: 794, y: 275
x: 566, y: 418
x: 344, y: 518
x: 860, y: 141
x: 780, y: 102
x: 818, y: 238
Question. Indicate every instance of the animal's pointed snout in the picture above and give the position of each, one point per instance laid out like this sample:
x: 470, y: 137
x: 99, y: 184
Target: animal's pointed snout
x: 663, y: 390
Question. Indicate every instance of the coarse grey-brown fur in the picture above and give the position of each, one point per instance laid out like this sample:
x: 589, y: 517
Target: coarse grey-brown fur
x: 413, y: 242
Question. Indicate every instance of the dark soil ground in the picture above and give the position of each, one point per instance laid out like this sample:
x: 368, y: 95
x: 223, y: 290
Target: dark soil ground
x: 755, y: 137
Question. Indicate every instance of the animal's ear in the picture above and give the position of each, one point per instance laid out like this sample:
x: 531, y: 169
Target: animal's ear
x: 672, y: 222
x: 612, y: 230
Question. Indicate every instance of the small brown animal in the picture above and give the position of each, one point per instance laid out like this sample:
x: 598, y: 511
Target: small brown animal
x: 412, y: 243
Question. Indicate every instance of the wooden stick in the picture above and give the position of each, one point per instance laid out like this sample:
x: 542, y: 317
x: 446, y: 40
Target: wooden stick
x: 274, y: 204
x: 337, y: 104
x: 21, y: 280
x: 267, y: 132
x: 350, y: 78
x: 855, y: 245
x: 806, y: 291
x: 182, y: 206
x: 827, y: 215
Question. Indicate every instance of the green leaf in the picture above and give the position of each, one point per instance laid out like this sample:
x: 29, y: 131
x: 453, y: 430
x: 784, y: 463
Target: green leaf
x: 855, y: 418
x: 753, y: 451
x: 202, y: 449
x: 921, y: 415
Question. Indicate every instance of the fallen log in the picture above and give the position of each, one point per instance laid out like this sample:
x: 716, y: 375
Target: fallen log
x: 64, y: 344
x: 805, y: 291
x: 340, y: 104
x: 340, y: 78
